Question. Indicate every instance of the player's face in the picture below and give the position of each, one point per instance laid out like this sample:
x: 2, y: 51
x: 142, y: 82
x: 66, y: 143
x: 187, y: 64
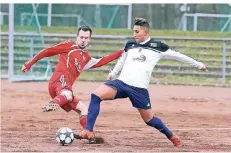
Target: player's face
x: 140, y: 33
x: 83, y: 38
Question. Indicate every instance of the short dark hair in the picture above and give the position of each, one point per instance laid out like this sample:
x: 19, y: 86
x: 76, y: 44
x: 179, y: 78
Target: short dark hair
x: 85, y: 28
x: 142, y: 22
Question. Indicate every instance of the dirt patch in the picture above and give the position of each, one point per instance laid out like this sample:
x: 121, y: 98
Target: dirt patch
x: 201, y: 116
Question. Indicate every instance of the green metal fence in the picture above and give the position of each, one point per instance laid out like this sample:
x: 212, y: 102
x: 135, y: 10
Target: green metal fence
x: 161, y: 16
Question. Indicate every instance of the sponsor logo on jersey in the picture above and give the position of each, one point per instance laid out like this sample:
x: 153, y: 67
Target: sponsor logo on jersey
x: 62, y: 80
x: 77, y: 65
x: 141, y: 58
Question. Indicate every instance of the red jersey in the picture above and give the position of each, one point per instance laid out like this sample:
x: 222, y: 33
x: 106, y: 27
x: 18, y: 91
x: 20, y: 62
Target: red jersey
x: 72, y: 60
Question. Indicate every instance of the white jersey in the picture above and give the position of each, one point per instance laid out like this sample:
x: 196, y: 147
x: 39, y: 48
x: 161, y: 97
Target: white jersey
x: 138, y: 60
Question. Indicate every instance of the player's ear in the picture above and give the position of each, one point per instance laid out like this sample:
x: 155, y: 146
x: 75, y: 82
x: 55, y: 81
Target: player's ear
x: 146, y: 30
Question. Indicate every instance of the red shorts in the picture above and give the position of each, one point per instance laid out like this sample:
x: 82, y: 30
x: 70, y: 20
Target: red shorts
x: 57, y: 83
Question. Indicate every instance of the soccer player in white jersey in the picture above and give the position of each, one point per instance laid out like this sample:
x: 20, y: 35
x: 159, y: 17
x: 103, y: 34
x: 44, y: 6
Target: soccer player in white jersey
x: 136, y: 65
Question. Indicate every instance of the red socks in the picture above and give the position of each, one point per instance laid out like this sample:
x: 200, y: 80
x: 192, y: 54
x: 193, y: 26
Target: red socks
x: 61, y: 100
x: 83, y: 121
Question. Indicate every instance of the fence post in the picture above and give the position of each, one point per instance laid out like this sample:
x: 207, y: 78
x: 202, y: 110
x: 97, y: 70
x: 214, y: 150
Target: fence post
x: 11, y: 43
x: 195, y: 23
x: 1, y: 18
x: 22, y: 19
x: 185, y: 22
x: 78, y: 21
x: 224, y: 63
x: 129, y: 24
x: 49, y: 14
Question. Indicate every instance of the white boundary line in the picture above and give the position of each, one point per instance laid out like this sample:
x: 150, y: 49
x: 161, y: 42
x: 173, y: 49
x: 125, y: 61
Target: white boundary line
x: 196, y: 129
x: 142, y: 129
x: 174, y: 129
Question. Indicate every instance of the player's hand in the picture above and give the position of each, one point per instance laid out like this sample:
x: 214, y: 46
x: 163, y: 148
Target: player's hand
x: 110, y: 76
x: 204, y: 68
x: 25, y: 68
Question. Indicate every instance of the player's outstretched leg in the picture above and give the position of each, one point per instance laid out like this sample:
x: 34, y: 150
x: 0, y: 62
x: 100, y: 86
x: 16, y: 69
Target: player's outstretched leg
x: 81, y: 109
x: 59, y: 101
x: 159, y: 125
x: 93, y: 112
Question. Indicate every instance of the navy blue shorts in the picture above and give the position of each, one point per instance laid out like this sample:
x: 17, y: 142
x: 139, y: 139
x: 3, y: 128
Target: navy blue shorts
x: 138, y: 96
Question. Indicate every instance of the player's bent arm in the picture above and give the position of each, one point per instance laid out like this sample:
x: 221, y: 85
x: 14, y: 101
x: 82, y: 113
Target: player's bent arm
x: 48, y: 52
x: 171, y: 54
x: 94, y: 63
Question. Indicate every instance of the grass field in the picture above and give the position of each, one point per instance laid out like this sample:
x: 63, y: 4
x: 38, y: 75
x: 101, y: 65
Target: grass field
x: 123, y: 32
x: 208, y: 52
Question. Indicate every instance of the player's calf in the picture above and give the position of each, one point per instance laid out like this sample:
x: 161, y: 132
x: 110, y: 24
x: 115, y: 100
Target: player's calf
x: 81, y: 109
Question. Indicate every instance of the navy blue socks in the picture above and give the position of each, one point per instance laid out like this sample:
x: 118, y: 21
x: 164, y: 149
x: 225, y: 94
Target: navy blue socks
x: 93, y: 111
x: 159, y: 125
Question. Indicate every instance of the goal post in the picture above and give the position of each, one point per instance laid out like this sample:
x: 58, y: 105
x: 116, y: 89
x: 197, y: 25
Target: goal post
x: 20, y: 45
x: 23, y: 47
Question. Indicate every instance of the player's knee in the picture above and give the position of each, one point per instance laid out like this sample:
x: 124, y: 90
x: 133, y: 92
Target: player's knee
x: 82, y: 108
x: 105, y: 92
x: 149, y: 123
x: 68, y: 94
x: 98, y: 91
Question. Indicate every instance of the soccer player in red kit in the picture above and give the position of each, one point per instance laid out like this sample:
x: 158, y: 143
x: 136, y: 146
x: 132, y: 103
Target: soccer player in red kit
x: 73, y: 59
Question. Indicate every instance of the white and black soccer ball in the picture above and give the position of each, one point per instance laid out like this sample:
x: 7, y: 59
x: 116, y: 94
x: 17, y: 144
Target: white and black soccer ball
x: 64, y: 136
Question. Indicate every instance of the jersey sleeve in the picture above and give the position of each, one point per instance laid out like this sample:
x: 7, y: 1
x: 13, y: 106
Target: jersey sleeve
x: 94, y: 63
x: 172, y: 54
x: 120, y: 63
x: 50, y: 51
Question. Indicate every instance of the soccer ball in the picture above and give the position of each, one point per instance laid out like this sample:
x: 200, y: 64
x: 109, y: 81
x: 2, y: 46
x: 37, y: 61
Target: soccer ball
x: 64, y: 136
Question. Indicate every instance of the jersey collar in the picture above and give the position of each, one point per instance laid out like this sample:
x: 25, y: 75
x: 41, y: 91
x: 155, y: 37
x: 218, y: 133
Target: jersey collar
x: 149, y: 38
